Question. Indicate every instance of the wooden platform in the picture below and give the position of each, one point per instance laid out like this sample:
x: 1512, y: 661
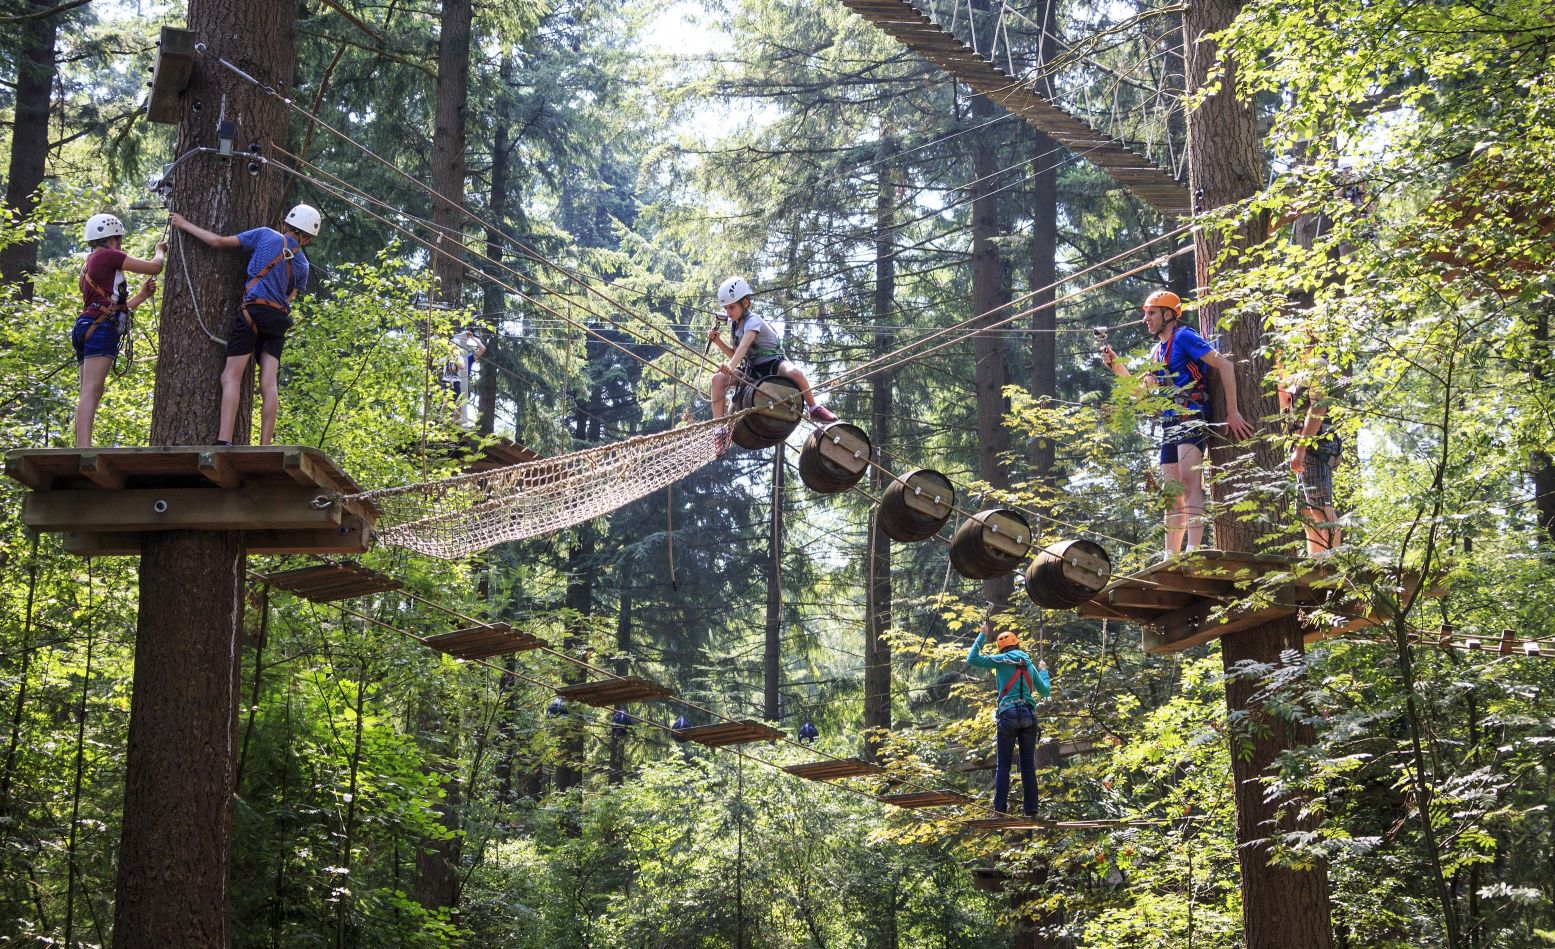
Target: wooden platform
x: 902, y: 21
x: 834, y: 770
x: 484, y: 642
x: 1007, y: 822
x: 104, y: 500
x: 1192, y: 599
x: 502, y: 453
x: 729, y: 733
x: 1049, y: 753
x: 327, y: 582
x: 918, y: 799
x: 614, y: 691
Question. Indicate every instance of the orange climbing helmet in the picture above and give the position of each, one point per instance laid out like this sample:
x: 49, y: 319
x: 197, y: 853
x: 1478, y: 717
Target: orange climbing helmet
x: 1165, y: 298
x: 1007, y: 640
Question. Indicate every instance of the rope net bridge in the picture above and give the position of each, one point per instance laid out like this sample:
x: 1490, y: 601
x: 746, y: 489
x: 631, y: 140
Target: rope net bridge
x: 458, y: 516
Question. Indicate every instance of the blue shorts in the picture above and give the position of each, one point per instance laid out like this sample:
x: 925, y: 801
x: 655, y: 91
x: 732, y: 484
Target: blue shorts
x: 104, y: 340
x: 1178, y: 431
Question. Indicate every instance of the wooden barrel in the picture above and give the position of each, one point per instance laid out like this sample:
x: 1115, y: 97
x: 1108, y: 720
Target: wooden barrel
x: 989, y: 543
x: 834, y: 458
x: 916, y: 505
x: 1067, y: 574
x: 778, y: 405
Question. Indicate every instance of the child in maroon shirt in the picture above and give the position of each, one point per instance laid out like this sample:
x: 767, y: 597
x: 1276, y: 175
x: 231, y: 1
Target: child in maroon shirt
x: 105, y: 302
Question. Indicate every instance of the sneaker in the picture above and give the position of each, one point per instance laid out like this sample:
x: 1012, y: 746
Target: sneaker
x: 721, y: 439
x: 820, y: 413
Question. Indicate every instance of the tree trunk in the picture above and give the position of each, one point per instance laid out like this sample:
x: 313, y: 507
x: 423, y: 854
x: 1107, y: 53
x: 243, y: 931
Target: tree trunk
x: 1280, y: 907
x: 448, y: 142
x: 1543, y: 466
x: 1179, y: 270
x: 877, y: 606
x: 771, y: 660
x: 179, y: 766
x: 35, y: 71
x: 990, y: 289
x: 1044, y: 257
x: 624, y: 620
x: 494, y: 303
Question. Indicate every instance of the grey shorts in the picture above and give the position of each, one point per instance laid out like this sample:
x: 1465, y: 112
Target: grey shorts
x: 1315, y: 483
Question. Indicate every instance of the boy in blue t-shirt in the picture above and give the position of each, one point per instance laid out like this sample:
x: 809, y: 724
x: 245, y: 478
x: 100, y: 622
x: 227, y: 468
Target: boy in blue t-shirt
x: 277, y: 272
x: 1019, y: 681
x: 1185, y: 359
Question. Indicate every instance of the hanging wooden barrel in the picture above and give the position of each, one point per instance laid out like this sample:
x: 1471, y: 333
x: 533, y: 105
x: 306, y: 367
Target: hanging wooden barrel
x: 1068, y: 574
x: 778, y: 405
x: 916, y: 505
x: 989, y: 543
x: 834, y: 458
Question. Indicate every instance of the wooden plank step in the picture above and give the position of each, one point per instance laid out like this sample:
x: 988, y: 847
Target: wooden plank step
x: 833, y: 770
x: 1006, y: 822
x: 326, y: 582
x: 484, y: 642
x: 730, y: 733
x: 917, y: 799
x: 614, y: 691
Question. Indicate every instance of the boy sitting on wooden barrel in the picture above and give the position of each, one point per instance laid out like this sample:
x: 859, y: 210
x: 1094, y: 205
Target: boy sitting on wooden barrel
x: 1016, y: 714
x: 758, y: 351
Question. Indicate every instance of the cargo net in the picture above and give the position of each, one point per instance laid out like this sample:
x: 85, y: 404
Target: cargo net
x: 458, y: 516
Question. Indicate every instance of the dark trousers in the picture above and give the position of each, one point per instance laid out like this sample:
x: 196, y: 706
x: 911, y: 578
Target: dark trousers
x: 1017, y: 725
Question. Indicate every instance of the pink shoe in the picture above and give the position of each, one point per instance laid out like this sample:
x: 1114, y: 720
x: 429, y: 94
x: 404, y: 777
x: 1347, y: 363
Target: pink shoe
x: 820, y: 413
x: 721, y: 439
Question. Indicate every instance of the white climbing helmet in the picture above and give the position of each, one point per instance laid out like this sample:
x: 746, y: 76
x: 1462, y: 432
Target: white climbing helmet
x: 99, y: 226
x: 733, y: 290
x: 304, y: 218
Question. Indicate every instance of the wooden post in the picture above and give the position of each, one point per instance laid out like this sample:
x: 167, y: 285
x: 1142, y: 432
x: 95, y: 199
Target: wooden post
x: 170, y: 78
x: 180, y: 763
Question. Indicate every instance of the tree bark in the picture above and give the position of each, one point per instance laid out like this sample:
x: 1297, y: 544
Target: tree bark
x: 1179, y: 270
x: 494, y: 303
x: 877, y: 606
x: 36, y: 66
x: 1042, y: 453
x: 1281, y: 908
x: 1543, y: 466
x: 180, y: 763
x: 448, y: 143
x: 990, y: 289
x: 771, y: 660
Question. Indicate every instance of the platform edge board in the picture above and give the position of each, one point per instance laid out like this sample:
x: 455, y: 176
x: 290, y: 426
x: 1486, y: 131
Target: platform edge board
x: 194, y: 509
x: 350, y: 538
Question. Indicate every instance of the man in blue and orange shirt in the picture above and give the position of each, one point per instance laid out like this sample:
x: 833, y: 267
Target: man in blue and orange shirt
x: 277, y: 272
x: 1184, y: 358
x: 1020, y: 681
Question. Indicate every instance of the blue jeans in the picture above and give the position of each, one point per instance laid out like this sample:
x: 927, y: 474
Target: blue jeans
x: 1017, y: 724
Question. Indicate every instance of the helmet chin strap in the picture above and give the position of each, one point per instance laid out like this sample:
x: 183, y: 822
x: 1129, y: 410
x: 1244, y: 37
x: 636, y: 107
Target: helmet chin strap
x: 1166, y: 323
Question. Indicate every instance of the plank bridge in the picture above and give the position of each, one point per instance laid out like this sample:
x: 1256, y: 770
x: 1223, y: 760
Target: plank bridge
x: 1149, y: 182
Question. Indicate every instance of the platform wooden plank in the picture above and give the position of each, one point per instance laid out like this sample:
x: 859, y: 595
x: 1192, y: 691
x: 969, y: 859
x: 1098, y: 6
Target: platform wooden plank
x: 1189, y: 600
x: 282, y: 498
x: 277, y: 508
x: 614, y: 691
x: 170, y: 76
x: 327, y: 582
x: 485, y: 642
x: 1006, y: 822
x: 730, y: 733
x: 919, y: 799
x: 834, y: 770
x: 62, y: 469
x: 351, y: 537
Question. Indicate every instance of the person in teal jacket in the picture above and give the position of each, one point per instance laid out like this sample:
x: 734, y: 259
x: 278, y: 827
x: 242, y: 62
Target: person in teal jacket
x: 1020, y: 682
